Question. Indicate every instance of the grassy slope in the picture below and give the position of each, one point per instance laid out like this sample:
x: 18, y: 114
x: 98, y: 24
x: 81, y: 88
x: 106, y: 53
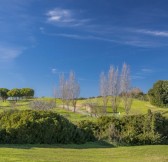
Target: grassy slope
x: 82, y: 153
x: 138, y: 107
x: 24, y: 105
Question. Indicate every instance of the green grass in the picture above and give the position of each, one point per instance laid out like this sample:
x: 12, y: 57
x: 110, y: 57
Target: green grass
x: 91, y: 152
x: 24, y: 105
x: 82, y: 153
x: 74, y: 117
x: 138, y: 107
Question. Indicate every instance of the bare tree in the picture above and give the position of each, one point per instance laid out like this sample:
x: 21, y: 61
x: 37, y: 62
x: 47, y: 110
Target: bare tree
x: 126, y: 88
x: 69, y: 90
x: 67, y: 93
x: 55, y: 94
x: 113, y: 82
x: 62, y: 89
x: 74, y: 89
x: 104, y: 90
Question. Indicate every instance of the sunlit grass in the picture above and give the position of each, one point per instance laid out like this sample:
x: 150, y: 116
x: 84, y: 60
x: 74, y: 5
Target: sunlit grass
x: 91, y: 152
x: 138, y: 107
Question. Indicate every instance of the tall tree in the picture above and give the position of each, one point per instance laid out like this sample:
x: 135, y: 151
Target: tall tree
x: 126, y: 88
x: 104, y: 90
x: 69, y: 90
x: 67, y: 93
x: 74, y: 89
x: 113, y: 82
x: 62, y: 89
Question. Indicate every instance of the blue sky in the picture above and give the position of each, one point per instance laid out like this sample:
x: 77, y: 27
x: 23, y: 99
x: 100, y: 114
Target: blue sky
x: 39, y: 39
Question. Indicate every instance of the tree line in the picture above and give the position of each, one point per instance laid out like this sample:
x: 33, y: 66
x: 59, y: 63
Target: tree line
x: 111, y: 86
x: 116, y: 84
x: 114, y: 87
x: 16, y: 93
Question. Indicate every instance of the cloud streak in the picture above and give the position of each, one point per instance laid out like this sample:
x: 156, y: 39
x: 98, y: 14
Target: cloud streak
x: 64, y: 17
x: 8, y: 53
x: 113, y: 34
x: 154, y: 33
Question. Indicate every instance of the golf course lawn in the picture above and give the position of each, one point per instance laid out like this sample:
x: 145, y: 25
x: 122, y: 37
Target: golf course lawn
x: 83, y: 153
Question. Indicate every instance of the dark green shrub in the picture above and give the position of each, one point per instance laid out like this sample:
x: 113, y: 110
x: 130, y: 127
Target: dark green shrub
x: 36, y: 127
x: 158, y: 95
x: 89, y: 128
x: 133, y: 130
x: 109, y: 128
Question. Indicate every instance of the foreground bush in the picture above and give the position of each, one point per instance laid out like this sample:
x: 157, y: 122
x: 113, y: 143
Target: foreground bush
x: 137, y: 129
x: 151, y: 128
x: 38, y: 127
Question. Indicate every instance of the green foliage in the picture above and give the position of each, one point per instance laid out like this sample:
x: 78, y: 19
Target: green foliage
x: 89, y: 128
x: 130, y: 130
x: 37, y: 127
x: 27, y: 92
x: 141, y: 129
x: 159, y: 94
x: 14, y: 93
x: 4, y: 93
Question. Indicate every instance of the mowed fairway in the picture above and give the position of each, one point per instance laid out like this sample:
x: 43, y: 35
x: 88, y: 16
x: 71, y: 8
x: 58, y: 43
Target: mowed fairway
x: 82, y: 153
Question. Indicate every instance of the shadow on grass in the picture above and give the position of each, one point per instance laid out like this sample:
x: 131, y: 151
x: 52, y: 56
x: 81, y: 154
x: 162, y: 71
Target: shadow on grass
x: 90, y: 145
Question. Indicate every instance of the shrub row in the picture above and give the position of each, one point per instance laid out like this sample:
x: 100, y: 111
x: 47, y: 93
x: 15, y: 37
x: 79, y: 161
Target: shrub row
x: 39, y: 127
x: 151, y: 128
x: 45, y: 127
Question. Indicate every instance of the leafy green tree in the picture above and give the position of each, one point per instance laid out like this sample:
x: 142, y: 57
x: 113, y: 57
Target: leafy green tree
x: 14, y: 93
x: 3, y: 93
x: 27, y: 92
x: 158, y: 95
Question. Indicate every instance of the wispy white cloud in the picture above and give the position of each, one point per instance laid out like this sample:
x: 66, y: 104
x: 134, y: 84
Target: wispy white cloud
x: 89, y: 30
x: 60, y: 15
x: 126, y: 41
x: 64, y: 17
x: 8, y: 53
x: 85, y: 37
x: 153, y: 33
x: 147, y: 70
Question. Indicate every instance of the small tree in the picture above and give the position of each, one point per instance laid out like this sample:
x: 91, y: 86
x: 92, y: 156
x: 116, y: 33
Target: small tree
x: 4, y: 93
